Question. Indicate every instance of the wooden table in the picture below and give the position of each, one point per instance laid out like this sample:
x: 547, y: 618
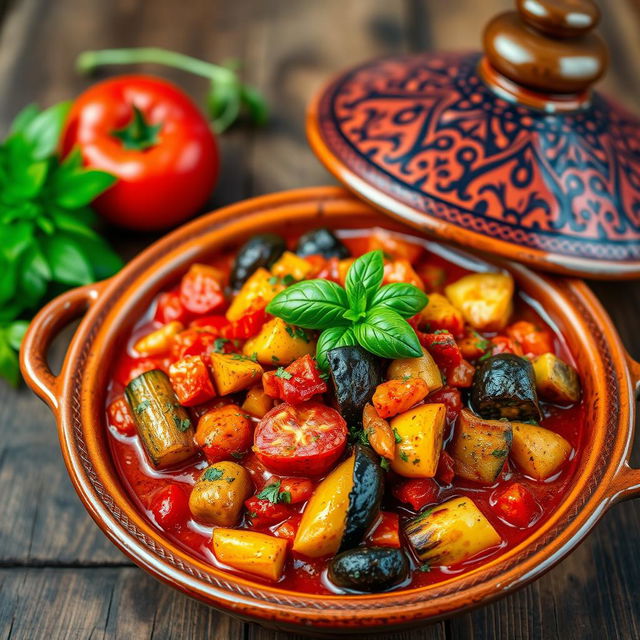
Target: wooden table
x: 59, y: 576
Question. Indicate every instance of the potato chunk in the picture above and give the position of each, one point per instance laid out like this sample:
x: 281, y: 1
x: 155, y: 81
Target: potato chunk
x: 233, y: 372
x: 480, y: 447
x: 257, y: 402
x: 256, y: 293
x: 556, y: 381
x: 485, y: 299
x: 289, y: 264
x: 279, y: 344
x: 158, y: 341
x: 539, y: 452
x: 420, y: 433
x: 423, y: 367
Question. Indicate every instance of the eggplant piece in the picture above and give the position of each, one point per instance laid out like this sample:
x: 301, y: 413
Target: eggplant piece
x: 364, y: 498
x: 369, y: 569
x: 355, y: 374
x: 504, y: 386
x: 321, y: 242
x: 261, y: 250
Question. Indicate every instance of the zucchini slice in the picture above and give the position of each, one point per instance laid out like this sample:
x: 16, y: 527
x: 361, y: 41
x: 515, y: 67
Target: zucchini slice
x: 370, y: 569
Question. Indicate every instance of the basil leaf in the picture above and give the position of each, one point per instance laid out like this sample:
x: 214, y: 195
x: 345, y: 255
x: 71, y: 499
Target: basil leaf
x: 311, y: 304
x: 104, y: 261
x: 68, y: 262
x: 9, y: 367
x: 331, y: 339
x: 401, y: 297
x: 72, y: 222
x: 43, y: 131
x: 34, y: 275
x: 367, y: 271
x: 386, y: 334
x: 79, y: 189
x: 8, y: 279
x: 24, y: 118
x: 16, y: 238
x: 15, y: 332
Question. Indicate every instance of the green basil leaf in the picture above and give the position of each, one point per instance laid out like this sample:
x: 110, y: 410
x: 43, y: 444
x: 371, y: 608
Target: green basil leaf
x: 16, y: 238
x: 43, y: 131
x: 79, y: 189
x: 367, y: 271
x: 73, y: 222
x: 255, y: 104
x: 311, y: 304
x: 104, y: 261
x: 15, y: 333
x: 34, y: 276
x: 68, y: 262
x: 8, y: 279
x: 24, y: 119
x: 331, y: 339
x: 401, y: 297
x: 386, y: 334
x: 9, y: 367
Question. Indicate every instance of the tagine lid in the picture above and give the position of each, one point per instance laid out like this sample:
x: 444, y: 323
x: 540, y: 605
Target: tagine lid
x: 508, y: 152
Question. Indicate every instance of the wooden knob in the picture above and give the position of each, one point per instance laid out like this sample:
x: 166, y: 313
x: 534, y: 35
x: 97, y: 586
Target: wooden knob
x: 548, y: 45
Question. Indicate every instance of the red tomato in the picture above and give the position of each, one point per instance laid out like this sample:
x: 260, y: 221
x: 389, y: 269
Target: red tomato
x: 443, y: 347
x: 170, y: 507
x: 191, y: 381
x: 212, y: 324
x: 305, y: 440
x: 299, y: 382
x: 129, y: 368
x: 461, y: 375
x: 224, y: 433
x: 330, y: 270
x: 451, y: 399
x: 500, y: 344
x: 247, y: 326
x: 533, y: 339
x: 263, y: 513
x: 258, y: 472
x: 516, y: 505
x: 288, y: 528
x: 201, y: 289
x: 170, y: 309
x: 120, y: 416
x: 445, y: 472
x: 168, y: 174
x: 418, y: 492
x: 473, y: 345
x: 387, y: 533
x: 299, y: 489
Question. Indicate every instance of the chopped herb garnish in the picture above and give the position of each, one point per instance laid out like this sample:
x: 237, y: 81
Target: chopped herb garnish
x: 499, y: 453
x: 218, y: 344
x: 424, y: 568
x: 416, y: 461
x: 285, y: 496
x: 406, y: 377
x: 404, y: 457
x: 290, y: 331
x: 275, y: 359
x: 397, y: 436
x: 212, y: 474
x: 237, y: 454
x: 385, y: 464
x: 142, y: 406
x: 273, y: 280
x: 288, y: 280
x: 182, y: 424
x: 272, y: 493
x: 281, y: 372
x: 229, y: 479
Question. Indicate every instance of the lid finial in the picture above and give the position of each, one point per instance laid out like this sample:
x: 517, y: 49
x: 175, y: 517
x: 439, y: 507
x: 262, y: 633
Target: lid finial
x: 547, y: 46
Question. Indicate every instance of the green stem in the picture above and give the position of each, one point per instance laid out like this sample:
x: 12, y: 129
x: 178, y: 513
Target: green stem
x: 90, y: 60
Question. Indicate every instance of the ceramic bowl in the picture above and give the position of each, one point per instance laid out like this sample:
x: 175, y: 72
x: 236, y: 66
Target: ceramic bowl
x: 76, y: 397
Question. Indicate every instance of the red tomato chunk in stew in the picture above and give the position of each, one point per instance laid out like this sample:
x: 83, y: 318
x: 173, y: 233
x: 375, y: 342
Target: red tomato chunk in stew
x: 305, y: 409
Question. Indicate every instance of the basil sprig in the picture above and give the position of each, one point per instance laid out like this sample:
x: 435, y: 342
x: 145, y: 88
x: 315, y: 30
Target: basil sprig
x: 46, y: 240
x: 363, y: 313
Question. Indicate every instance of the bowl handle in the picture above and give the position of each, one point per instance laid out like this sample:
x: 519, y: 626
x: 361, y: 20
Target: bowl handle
x: 47, y: 324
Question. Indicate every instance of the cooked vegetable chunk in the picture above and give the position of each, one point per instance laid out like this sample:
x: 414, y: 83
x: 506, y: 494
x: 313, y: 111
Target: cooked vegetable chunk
x: 378, y: 432
x: 256, y: 553
x: 451, y: 532
x: 257, y: 402
x: 279, y: 344
x: 291, y: 265
x: 370, y: 569
x: 158, y: 341
x: 424, y: 367
x: 233, y: 372
x: 539, y: 452
x: 480, y: 447
x: 485, y: 299
x: 419, y: 442
x: 355, y: 374
x: 218, y: 496
x: 191, y: 381
x: 556, y: 381
x: 259, y: 251
x: 441, y: 314
x: 504, y: 387
x: 164, y: 426
x: 256, y: 293
x: 321, y: 242
x: 395, y: 396
x: 224, y: 433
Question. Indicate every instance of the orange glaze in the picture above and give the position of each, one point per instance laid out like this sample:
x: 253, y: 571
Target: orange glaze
x: 307, y: 575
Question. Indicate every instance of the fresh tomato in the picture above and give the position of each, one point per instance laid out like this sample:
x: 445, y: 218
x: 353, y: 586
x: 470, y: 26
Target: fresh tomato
x: 461, y: 375
x: 396, y: 396
x: 298, y: 489
x: 443, y: 347
x: 305, y: 440
x: 170, y: 507
x: 387, y: 533
x: 473, y: 345
x: 191, y: 381
x: 451, y: 399
x: 170, y: 309
x: 224, y: 433
x: 288, y: 529
x: 299, y: 382
x: 263, y: 513
x: 258, y: 472
x: 330, y: 270
x: 534, y: 340
x: 445, y: 472
x: 212, y: 324
x: 201, y: 289
x: 120, y: 417
x: 418, y: 492
x: 130, y: 368
x: 516, y: 505
x: 245, y: 327
x: 502, y: 344
x: 151, y: 136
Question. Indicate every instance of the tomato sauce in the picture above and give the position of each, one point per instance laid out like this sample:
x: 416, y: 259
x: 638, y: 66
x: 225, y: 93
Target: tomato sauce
x: 309, y: 575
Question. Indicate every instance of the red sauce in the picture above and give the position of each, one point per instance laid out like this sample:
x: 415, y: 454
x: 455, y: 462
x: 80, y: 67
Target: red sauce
x: 302, y: 573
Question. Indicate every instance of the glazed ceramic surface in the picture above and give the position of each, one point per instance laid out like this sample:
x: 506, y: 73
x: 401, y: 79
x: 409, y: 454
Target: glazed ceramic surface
x: 77, y: 397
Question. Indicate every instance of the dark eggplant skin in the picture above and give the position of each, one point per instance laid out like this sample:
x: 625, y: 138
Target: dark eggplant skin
x: 364, y: 498
x: 504, y: 386
x: 369, y: 569
x: 321, y: 242
x: 261, y: 250
x: 355, y: 374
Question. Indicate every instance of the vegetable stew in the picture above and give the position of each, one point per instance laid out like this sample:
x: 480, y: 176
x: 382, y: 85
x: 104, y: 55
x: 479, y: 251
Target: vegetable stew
x: 345, y: 412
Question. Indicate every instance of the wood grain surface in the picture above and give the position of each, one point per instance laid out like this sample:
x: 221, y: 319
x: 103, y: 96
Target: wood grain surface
x: 59, y: 576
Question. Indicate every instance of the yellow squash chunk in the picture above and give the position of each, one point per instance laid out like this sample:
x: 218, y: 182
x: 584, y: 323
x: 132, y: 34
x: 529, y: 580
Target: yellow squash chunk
x: 218, y: 496
x: 256, y: 553
x: 423, y: 367
x: 451, y: 532
x: 556, y: 381
x: 420, y: 433
x: 480, y: 447
x: 441, y: 314
x: 256, y: 293
x: 279, y: 344
x: 325, y: 516
x: 539, y: 452
x: 485, y: 299
x: 289, y: 264
x: 232, y: 372
x: 257, y: 402
x: 158, y: 341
